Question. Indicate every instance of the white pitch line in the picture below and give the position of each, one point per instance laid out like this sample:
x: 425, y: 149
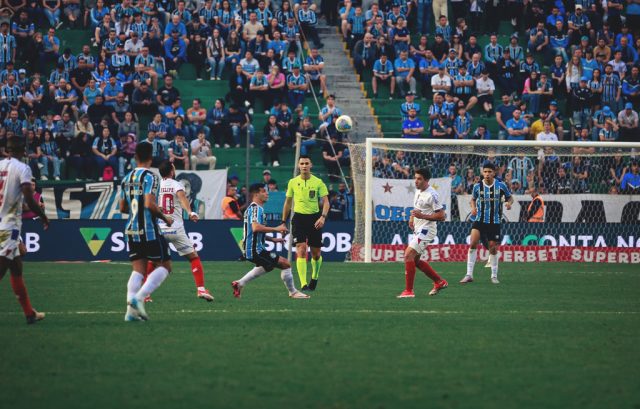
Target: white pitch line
x: 285, y: 311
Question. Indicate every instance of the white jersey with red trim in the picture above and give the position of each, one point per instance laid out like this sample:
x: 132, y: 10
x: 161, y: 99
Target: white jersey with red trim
x: 13, y: 174
x: 170, y: 204
x: 428, y: 202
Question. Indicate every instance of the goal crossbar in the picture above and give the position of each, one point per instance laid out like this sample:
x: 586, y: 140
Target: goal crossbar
x: 372, y: 142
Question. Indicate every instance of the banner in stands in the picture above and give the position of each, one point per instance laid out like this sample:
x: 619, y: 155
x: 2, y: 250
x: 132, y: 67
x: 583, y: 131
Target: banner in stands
x: 548, y: 241
x: 94, y: 240
x: 99, y: 200
x: 98, y: 240
x: 575, y: 208
x: 393, y: 198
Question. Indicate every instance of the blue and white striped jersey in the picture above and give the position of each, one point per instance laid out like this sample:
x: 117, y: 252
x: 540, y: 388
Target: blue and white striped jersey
x: 142, y: 225
x: 489, y: 201
x: 253, y: 242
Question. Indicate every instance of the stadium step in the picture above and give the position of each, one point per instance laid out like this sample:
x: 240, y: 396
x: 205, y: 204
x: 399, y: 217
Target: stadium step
x: 343, y: 82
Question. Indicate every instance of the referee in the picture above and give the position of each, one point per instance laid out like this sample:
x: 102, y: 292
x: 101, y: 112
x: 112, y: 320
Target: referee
x: 306, y: 226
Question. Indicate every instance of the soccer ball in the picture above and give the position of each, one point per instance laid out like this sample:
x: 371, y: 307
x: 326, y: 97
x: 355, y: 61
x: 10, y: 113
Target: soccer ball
x: 344, y: 123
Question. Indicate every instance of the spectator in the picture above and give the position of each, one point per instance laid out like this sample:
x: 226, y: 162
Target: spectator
x: 628, y: 124
x: 521, y: 167
x: 485, y: 89
x: 240, y: 125
x: 216, y: 56
x: 308, y: 20
x: 197, y: 54
x: 298, y: 86
x: 334, y: 156
x: 179, y: 152
x: 504, y: 113
x: 50, y: 154
x: 441, y: 82
x: 197, y: 117
x: 579, y: 175
x: 308, y: 135
x: 129, y: 126
x: 277, y: 83
x: 259, y: 89
x: 313, y: 67
x: 230, y: 206
x: 409, y: 104
x: 84, y: 126
x: 462, y: 124
x: 630, y: 183
x: 272, y: 142
x: 127, y: 152
x: 158, y: 148
x: 201, y: 153
x: 517, y: 127
x: 404, y: 69
x: 143, y: 100
x: 238, y: 87
x: 631, y: 86
x: 412, y: 127
x: 105, y: 150
x: 175, y: 49
x: 617, y: 169
x: 80, y: 156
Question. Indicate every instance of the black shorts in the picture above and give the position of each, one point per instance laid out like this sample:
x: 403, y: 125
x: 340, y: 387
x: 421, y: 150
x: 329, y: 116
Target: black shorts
x: 266, y: 259
x: 488, y: 231
x: 154, y: 250
x: 303, y: 230
x: 485, y: 99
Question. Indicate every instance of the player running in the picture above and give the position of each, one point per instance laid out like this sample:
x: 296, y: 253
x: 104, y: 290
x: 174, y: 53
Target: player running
x: 173, y: 201
x: 253, y: 245
x: 486, y: 210
x: 427, y: 211
x: 15, y: 184
x: 140, y: 187
x: 306, y: 225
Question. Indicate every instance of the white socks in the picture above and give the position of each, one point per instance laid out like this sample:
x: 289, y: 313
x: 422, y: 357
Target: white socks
x: 493, y: 259
x: 134, y: 284
x: 252, y: 275
x: 154, y: 280
x: 287, y: 278
x: 471, y: 261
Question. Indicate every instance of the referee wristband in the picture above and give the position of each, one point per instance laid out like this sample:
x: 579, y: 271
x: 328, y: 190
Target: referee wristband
x: 193, y: 214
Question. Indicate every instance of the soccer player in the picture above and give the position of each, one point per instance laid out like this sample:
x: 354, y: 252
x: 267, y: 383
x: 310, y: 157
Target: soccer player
x: 140, y: 187
x: 486, y: 211
x: 173, y: 201
x: 253, y: 245
x: 306, y: 225
x: 15, y: 184
x: 427, y: 211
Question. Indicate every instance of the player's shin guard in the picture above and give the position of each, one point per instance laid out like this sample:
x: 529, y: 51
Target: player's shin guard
x: 409, y: 274
x: 301, y: 265
x: 429, y: 271
x: 493, y: 259
x: 315, y: 267
x: 287, y: 278
x: 154, y: 280
x: 198, y: 272
x: 471, y: 261
x: 20, y: 291
x: 133, y: 285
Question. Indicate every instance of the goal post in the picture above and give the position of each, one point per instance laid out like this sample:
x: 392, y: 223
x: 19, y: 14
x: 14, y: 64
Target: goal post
x: 586, y: 206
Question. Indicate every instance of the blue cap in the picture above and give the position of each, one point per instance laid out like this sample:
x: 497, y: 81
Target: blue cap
x: 487, y: 164
x: 606, y: 109
x: 583, y: 79
x: 628, y: 105
x: 554, y: 103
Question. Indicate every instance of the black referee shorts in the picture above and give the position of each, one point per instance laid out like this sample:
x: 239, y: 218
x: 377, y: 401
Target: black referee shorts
x: 303, y: 230
x: 154, y: 250
x: 488, y: 231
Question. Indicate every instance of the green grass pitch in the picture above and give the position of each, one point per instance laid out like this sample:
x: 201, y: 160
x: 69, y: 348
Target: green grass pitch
x: 549, y: 336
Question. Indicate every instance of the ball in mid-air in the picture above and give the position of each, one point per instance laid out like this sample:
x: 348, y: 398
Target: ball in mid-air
x: 344, y: 123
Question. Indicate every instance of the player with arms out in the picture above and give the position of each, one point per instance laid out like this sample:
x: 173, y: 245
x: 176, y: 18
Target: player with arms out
x: 486, y: 213
x: 15, y: 186
x: 140, y: 187
x: 427, y: 211
x: 173, y: 201
x: 306, y: 225
x: 253, y: 245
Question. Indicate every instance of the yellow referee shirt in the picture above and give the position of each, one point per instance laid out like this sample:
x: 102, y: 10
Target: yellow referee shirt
x: 306, y: 193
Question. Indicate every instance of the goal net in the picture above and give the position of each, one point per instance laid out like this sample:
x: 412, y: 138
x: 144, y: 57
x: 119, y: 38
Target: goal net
x: 590, y: 191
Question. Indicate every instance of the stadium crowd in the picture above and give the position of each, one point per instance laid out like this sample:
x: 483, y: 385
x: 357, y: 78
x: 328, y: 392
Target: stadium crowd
x: 569, y: 71
x: 84, y: 107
